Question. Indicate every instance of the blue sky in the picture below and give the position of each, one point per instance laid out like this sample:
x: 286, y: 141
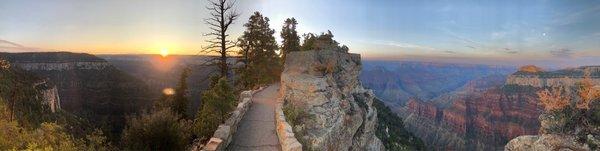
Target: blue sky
x: 564, y: 33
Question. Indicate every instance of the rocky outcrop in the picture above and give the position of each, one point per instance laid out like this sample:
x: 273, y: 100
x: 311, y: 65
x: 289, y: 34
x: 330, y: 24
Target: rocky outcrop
x: 546, y: 142
x: 565, y: 77
x: 339, y: 110
x: 49, y: 95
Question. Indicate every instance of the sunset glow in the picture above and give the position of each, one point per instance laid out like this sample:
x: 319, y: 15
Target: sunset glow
x: 164, y: 52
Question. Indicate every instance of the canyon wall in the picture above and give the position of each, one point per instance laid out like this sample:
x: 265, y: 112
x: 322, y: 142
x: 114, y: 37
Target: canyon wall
x: 483, y: 115
x: 325, y: 85
x: 49, y: 95
x: 565, y: 77
x: 88, y: 86
x: 486, y: 113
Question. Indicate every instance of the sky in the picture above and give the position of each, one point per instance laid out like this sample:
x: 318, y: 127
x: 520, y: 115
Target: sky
x: 509, y: 32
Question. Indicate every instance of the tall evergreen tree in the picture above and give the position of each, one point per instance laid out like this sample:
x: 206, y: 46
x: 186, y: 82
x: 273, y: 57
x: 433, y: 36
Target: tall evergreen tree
x: 291, y: 40
x: 261, y: 62
x: 180, y: 102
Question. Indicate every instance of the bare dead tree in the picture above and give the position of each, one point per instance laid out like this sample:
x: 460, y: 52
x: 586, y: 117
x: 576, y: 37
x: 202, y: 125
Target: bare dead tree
x: 222, y: 16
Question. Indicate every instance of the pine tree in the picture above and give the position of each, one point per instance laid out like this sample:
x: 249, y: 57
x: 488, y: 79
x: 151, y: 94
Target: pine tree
x: 180, y: 102
x: 291, y: 40
x: 217, y: 103
x: 261, y: 62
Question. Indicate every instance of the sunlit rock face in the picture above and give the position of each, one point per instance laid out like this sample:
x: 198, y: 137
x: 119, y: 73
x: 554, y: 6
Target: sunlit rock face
x: 483, y: 115
x: 340, y: 114
x: 565, y: 77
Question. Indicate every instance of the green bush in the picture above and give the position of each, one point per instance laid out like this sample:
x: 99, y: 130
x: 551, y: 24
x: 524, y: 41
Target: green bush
x: 293, y: 114
x: 390, y: 129
x: 217, y: 103
x: 161, y: 130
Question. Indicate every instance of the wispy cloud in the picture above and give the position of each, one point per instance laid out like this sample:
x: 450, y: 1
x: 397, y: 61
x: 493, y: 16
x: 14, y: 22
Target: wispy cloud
x: 562, y: 53
x: 9, y: 46
x: 509, y: 51
x: 450, y: 52
x: 576, y: 16
x: 4, y: 43
x: 403, y: 45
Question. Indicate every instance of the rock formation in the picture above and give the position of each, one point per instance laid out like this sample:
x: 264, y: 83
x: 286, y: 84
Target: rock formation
x: 49, y: 95
x: 325, y: 84
x: 565, y: 77
x: 88, y: 86
x: 483, y: 115
x: 486, y: 113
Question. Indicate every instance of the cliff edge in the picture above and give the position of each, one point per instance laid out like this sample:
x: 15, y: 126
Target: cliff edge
x: 335, y: 111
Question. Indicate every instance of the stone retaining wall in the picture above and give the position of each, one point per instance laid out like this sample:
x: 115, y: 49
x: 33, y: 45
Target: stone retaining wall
x: 284, y: 131
x: 224, y: 133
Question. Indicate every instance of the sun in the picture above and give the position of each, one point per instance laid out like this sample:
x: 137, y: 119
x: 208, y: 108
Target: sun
x: 164, y: 52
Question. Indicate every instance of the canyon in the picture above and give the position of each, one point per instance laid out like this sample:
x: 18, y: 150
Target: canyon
x: 486, y: 112
x: 86, y: 86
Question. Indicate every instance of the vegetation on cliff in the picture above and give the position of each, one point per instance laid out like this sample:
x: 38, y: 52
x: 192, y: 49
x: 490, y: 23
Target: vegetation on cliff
x: 391, y: 131
x: 27, y: 123
x: 572, y: 111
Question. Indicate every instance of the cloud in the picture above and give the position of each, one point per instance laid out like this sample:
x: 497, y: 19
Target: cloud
x: 498, y: 35
x: 562, y: 53
x: 576, y: 16
x: 509, y: 51
x: 5, y: 43
x: 9, y: 46
x: 450, y: 52
x: 405, y: 45
x: 472, y: 47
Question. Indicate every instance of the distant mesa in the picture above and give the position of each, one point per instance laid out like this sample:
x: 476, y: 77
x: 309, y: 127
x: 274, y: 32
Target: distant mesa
x: 530, y: 69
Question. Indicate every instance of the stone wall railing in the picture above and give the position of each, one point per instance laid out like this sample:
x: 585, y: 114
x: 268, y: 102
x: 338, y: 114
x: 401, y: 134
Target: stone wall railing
x: 285, y: 132
x: 224, y: 133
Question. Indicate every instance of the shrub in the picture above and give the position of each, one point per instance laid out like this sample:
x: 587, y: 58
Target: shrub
x: 161, y: 130
x: 218, y: 101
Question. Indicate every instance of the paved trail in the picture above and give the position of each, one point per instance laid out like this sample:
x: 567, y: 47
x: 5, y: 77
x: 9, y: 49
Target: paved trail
x: 257, y: 128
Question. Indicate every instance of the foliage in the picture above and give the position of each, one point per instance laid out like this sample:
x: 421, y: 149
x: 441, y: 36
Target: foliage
x: 27, y: 123
x: 390, y: 129
x: 554, y: 99
x: 324, y: 41
x: 261, y: 63
x: 175, y: 100
x: 572, y: 113
x: 291, y: 40
x: 296, y: 116
x: 293, y: 114
x: 160, y: 130
x: 4, y: 65
x: 17, y: 89
x: 218, y: 101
